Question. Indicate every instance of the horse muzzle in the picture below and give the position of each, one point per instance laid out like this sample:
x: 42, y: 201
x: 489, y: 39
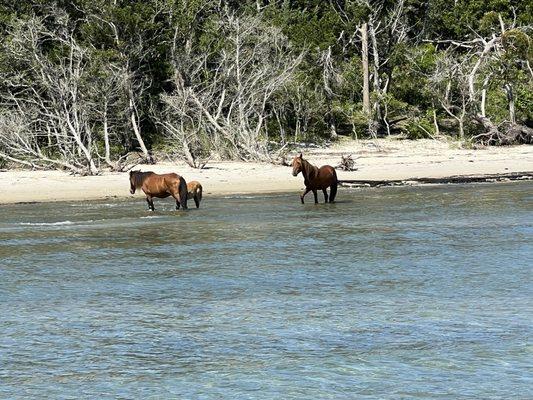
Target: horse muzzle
x: 295, y: 173
x: 132, y: 191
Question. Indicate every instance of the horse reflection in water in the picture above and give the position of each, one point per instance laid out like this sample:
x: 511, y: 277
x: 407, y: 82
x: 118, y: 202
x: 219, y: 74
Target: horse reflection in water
x: 161, y: 186
x: 316, y: 178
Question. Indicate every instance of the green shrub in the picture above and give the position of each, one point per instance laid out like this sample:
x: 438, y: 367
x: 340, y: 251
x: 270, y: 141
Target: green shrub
x: 418, y: 128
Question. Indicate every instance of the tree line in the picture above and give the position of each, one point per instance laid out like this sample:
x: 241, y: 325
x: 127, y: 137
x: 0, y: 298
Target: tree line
x: 83, y: 83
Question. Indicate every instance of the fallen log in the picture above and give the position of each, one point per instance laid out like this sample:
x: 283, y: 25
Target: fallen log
x: 503, y: 135
x: 510, y: 176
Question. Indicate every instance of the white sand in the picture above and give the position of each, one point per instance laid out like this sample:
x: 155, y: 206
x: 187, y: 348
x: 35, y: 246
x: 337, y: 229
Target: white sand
x: 381, y: 159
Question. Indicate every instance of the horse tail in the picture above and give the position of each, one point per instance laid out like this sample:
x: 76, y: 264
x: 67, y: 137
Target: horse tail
x: 333, y: 190
x: 182, y: 190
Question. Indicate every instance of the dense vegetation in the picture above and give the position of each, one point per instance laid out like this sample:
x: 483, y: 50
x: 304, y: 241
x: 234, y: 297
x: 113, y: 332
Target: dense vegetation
x: 85, y: 82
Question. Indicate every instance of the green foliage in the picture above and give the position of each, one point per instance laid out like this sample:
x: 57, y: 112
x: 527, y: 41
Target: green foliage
x: 524, y: 101
x: 460, y: 19
x: 144, y: 39
x: 410, y: 74
x: 418, y: 127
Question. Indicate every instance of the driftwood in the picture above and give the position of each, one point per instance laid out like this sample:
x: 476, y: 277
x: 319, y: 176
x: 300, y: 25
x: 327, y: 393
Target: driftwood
x: 512, y: 176
x: 347, y: 163
x: 505, y: 134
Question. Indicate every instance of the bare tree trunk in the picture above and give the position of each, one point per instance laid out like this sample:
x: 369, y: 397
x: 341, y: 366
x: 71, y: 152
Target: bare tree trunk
x: 107, y: 155
x: 461, y: 128
x: 510, y: 99
x: 435, y: 122
x: 484, y: 96
x: 529, y: 68
x: 332, y: 131
x: 240, y: 105
x: 472, y: 76
x: 364, y: 57
x: 82, y: 149
x: 281, y: 127
x: 189, y: 158
x: 377, y: 86
x: 354, y: 132
x: 136, y: 128
x: 492, y: 133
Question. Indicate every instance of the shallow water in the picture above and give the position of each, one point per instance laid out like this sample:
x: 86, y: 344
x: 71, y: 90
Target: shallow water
x: 389, y: 293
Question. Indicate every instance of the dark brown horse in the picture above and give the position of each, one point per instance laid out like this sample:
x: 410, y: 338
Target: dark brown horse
x: 155, y: 185
x: 316, y: 178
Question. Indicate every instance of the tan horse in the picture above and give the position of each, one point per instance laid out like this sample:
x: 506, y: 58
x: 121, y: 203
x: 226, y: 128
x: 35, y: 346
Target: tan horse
x: 161, y: 186
x: 316, y: 178
x: 194, y: 191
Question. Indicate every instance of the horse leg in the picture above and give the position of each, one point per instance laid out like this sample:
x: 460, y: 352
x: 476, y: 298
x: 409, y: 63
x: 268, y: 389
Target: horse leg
x: 333, y: 192
x: 150, y: 202
x: 176, y: 197
x: 316, y: 196
x: 325, y: 195
x: 196, y: 201
x: 303, y: 194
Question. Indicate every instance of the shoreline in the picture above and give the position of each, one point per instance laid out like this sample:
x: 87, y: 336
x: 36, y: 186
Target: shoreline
x: 380, y: 162
x: 456, y: 179
x: 347, y: 184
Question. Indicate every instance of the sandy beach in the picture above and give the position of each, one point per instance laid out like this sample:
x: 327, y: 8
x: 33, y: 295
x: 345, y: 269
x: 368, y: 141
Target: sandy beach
x: 381, y: 159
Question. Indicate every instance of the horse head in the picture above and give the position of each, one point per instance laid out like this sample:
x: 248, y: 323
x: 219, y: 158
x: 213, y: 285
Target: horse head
x: 133, y: 185
x: 297, y: 165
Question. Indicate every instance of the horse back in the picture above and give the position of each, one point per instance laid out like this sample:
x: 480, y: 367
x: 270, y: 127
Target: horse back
x: 172, y: 179
x: 162, y: 185
x: 326, y: 177
x: 327, y: 170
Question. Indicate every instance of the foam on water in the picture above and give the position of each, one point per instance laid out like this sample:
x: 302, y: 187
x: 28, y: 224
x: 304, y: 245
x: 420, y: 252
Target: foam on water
x: 58, y: 223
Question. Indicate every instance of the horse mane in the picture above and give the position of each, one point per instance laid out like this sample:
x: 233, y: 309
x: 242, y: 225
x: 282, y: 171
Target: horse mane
x: 139, y: 177
x: 309, y: 170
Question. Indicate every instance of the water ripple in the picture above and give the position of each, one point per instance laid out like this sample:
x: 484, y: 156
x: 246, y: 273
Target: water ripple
x: 390, y: 293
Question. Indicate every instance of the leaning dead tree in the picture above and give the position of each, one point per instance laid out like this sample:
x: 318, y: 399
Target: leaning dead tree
x: 449, y: 84
x: 46, y: 97
x: 221, y: 100
x: 470, y: 68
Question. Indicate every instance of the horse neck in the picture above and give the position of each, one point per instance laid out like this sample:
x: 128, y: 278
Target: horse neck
x: 308, y: 169
x: 140, y: 177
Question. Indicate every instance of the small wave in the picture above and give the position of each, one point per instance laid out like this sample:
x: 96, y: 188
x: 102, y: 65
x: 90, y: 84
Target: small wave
x: 153, y: 216
x: 255, y: 196
x: 239, y: 197
x: 47, y: 223
x: 97, y: 205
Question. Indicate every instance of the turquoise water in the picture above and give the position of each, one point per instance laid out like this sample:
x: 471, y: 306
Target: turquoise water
x: 389, y: 293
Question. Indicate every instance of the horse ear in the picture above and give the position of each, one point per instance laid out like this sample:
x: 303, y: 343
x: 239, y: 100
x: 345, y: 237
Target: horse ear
x: 301, y: 156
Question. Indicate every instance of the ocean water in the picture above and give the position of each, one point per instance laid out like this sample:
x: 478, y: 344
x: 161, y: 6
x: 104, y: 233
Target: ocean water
x: 392, y: 293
